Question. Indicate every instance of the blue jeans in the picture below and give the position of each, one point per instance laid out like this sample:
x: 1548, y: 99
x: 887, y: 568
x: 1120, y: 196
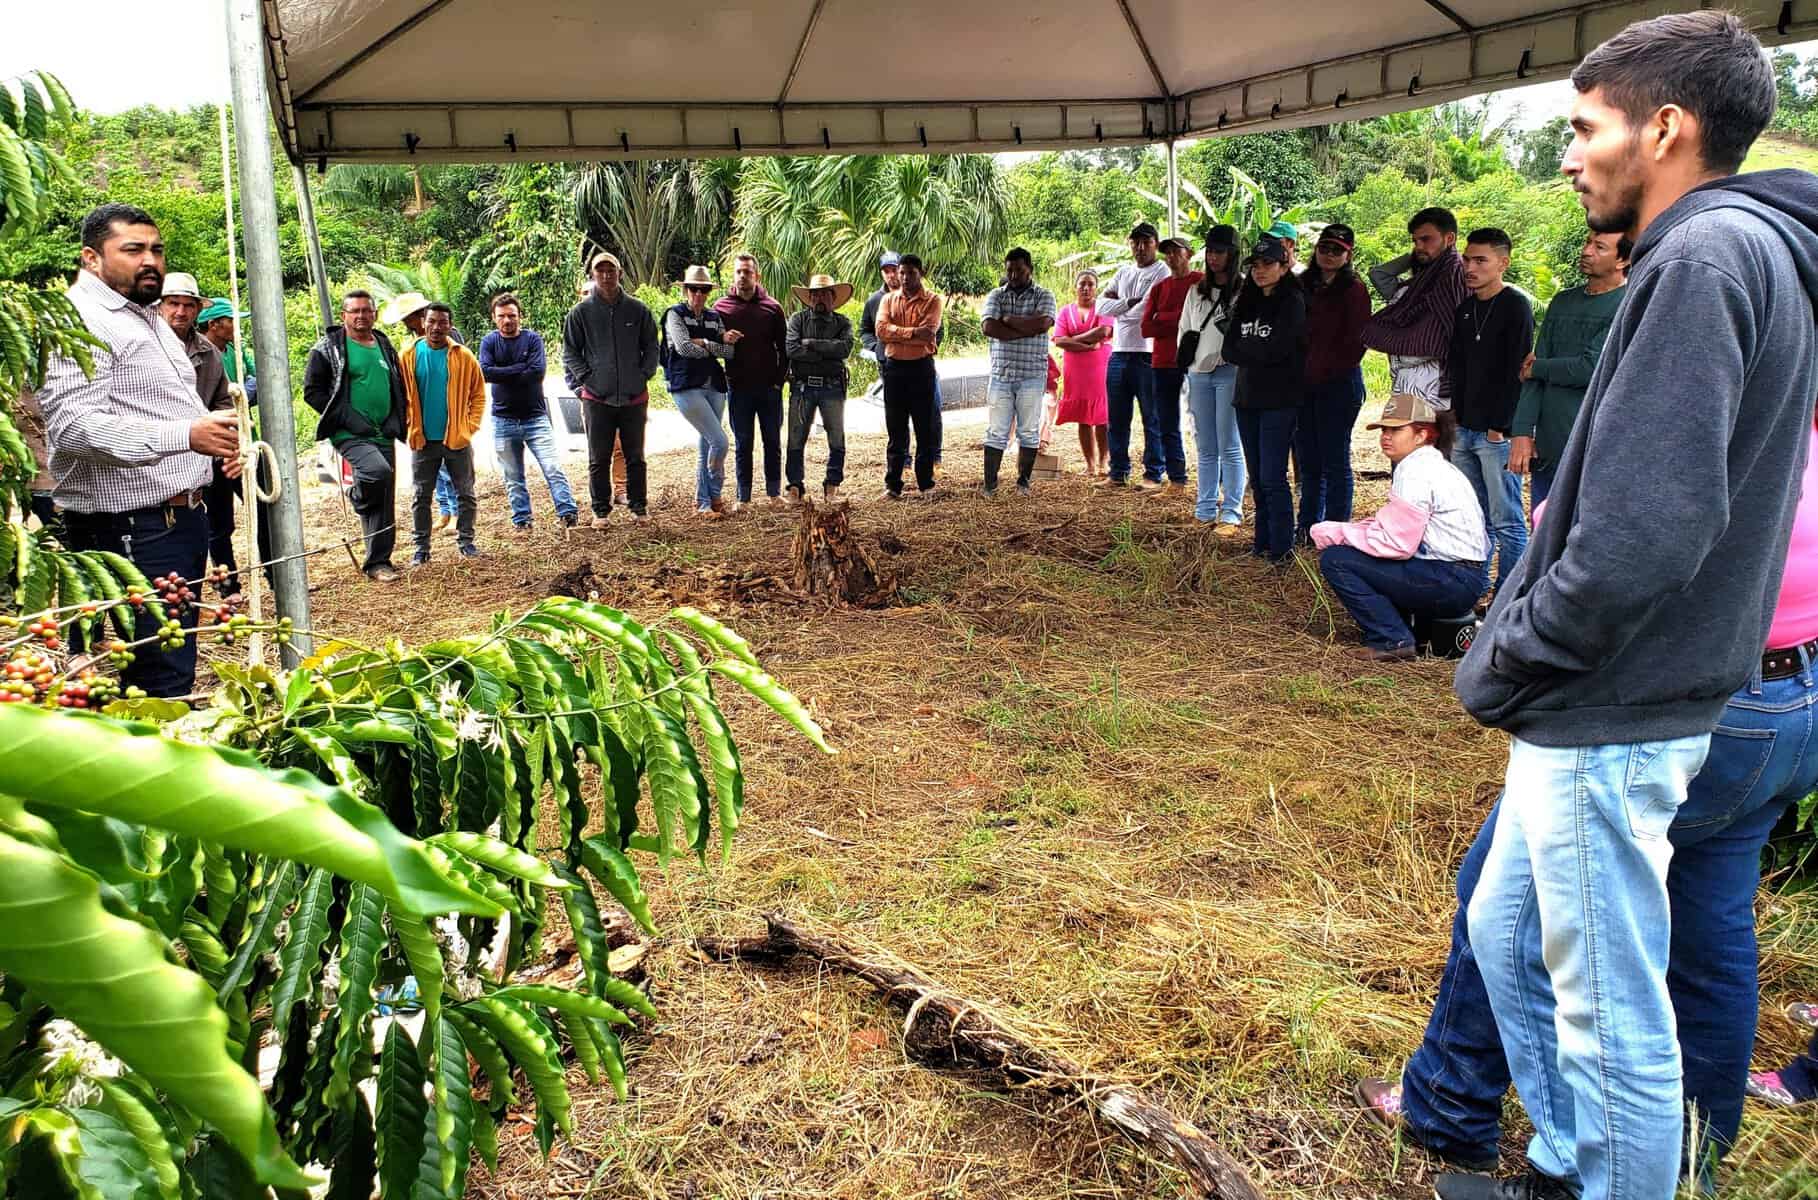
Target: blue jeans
x: 1580, y: 851
x: 1130, y: 388
x: 764, y: 407
x: 1021, y: 399
x: 703, y: 407
x: 1322, y: 448
x: 1165, y: 383
x: 1377, y: 591
x: 830, y: 403
x: 1540, y: 486
x: 447, y: 502
x: 1268, y: 436
x: 1763, y: 757
x: 1221, y: 455
x: 511, y: 436
x: 1486, y: 465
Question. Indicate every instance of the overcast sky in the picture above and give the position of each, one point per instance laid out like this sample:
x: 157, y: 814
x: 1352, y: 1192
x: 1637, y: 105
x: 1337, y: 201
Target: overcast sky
x: 174, y: 54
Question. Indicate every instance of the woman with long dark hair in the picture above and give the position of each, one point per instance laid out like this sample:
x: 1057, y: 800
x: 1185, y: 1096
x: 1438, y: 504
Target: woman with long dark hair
x: 1212, y: 384
x: 1268, y: 342
x: 1338, y: 304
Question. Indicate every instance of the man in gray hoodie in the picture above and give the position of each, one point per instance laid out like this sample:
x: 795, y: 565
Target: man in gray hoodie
x: 1645, y: 596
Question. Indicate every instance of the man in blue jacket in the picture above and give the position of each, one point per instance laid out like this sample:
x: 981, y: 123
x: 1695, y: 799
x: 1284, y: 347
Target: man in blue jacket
x: 514, y: 362
x: 1644, y: 598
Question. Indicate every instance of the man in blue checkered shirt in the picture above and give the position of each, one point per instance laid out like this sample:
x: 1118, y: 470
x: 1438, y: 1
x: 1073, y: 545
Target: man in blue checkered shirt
x: 1018, y: 316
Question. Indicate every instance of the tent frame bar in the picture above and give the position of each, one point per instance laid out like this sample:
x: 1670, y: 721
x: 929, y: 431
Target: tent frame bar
x: 1142, y: 44
x: 801, y: 52
x: 403, y: 27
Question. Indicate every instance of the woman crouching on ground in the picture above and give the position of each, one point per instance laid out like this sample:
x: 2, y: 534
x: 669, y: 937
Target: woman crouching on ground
x: 1426, y: 551
x: 695, y: 338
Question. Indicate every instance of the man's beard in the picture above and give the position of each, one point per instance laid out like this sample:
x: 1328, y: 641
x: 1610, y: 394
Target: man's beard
x: 823, y: 310
x: 1620, y: 217
x: 146, y: 287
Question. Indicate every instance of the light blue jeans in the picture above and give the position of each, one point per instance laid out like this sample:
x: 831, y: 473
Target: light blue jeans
x: 1221, y: 453
x: 1571, y: 929
x: 704, y: 407
x: 446, y: 501
x: 1021, y: 399
x: 510, y: 438
x: 1486, y: 465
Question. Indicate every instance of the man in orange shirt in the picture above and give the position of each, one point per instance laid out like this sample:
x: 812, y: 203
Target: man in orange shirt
x: 446, y: 396
x: 907, y: 324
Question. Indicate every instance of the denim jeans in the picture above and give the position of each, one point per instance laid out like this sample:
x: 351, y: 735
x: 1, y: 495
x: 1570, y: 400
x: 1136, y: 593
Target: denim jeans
x: 1486, y: 465
x: 1763, y: 757
x: 1268, y: 436
x: 830, y: 403
x: 763, y: 407
x: 1129, y: 388
x: 704, y: 406
x: 1221, y: 454
x: 1540, y: 486
x: 1165, y: 384
x: 158, y: 540
x: 1322, y: 449
x: 433, y: 460
x: 1020, y: 399
x: 511, y: 436
x: 1378, y: 591
x: 447, y: 502
x: 1580, y: 852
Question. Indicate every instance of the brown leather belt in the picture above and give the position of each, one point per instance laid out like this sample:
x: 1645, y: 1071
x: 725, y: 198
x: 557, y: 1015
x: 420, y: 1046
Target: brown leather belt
x: 191, y: 499
x: 1786, y: 662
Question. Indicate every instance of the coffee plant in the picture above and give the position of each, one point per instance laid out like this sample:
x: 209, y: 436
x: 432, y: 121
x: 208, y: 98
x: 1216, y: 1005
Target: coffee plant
x: 183, y: 892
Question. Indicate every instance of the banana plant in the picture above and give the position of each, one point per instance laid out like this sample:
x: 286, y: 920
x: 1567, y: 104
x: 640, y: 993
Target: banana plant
x: 184, y: 895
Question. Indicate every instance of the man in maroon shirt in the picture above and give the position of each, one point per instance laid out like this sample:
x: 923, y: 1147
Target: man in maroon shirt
x: 755, y: 374
x: 1161, y: 323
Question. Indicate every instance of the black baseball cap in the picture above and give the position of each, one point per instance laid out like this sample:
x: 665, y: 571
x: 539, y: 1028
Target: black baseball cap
x: 1221, y: 237
x: 1144, y: 230
x: 1269, y: 249
x: 1341, y: 234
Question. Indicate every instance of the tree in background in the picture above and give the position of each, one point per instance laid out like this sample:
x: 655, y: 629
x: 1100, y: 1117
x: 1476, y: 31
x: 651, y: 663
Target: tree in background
x: 641, y: 209
x: 1543, y: 148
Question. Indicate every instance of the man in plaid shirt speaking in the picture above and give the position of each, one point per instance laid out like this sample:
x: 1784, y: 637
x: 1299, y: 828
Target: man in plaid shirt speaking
x: 130, y: 446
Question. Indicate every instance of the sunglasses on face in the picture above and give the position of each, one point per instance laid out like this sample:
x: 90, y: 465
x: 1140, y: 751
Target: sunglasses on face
x: 1333, y: 248
x: 699, y: 287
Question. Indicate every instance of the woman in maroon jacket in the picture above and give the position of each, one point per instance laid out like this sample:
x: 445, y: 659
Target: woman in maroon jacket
x: 1338, y: 304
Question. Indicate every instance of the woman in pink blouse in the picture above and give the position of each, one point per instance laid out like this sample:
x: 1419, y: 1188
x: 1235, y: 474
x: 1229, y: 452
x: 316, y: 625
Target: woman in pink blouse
x: 1084, y: 337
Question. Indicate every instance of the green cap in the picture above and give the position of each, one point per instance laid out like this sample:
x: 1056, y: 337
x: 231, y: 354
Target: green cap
x: 217, y: 308
x: 1284, y: 230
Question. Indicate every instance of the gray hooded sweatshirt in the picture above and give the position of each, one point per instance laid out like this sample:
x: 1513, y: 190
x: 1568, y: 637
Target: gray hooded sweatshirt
x: 1646, y: 594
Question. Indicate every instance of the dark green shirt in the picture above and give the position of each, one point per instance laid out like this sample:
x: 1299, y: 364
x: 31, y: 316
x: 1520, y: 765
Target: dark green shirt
x: 368, y: 387
x: 1571, y: 339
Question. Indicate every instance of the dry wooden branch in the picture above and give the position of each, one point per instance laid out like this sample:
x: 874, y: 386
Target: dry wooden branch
x: 831, y: 562
x: 940, y: 1022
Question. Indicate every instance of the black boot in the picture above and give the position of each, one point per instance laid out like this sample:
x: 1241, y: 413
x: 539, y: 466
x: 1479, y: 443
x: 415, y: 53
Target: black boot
x: 993, y: 460
x: 1025, y: 468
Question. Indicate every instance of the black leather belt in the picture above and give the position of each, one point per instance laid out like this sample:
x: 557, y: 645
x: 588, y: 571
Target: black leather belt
x: 820, y: 381
x: 1787, y: 662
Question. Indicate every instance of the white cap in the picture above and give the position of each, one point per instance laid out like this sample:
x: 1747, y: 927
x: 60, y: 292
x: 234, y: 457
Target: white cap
x: 178, y: 284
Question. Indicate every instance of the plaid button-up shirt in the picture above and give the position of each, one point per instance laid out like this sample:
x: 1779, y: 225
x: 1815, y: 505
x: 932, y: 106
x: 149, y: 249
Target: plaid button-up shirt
x: 1018, y: 359
x: 120, y: 440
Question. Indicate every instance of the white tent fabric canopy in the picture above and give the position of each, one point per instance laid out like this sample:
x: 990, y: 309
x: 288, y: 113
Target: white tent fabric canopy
x: 389, y: 80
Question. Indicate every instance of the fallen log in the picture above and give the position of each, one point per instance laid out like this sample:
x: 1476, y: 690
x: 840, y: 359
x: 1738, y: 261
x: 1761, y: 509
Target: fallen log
x: 830, y: 561
x: 940, y: 1022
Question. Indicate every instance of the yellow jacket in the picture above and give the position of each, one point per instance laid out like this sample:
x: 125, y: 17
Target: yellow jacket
x: 466, y: 397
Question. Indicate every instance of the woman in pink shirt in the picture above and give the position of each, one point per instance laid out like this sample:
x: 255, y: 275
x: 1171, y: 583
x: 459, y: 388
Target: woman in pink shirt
x: 1084, y: 336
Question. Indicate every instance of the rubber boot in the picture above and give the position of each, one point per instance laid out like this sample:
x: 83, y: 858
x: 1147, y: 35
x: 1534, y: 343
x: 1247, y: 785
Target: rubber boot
x: 994, y: 459
x: 1025, y: 468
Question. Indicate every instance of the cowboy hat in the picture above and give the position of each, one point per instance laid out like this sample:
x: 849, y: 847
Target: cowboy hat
x: 178, y: 284
x: 697, y: 277
x: 404, y: 306
x: 842, y: 292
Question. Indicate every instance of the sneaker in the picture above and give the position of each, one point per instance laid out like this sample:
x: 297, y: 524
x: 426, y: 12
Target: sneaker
x: 571, y: 520
x: 1766, y: 1087
x: 774, y: 501
x: 471, y: 551
x: 831, y: 494
x: 522, y: 531
x: 621, y: 499
x: 1145, y: 484
x: 383, y: 573
x: 599, y: 521
x: 1024, y: 489
x: 1372, y: 654
x: 1802, y: 1014
x: 989, y: 489
x: 1532, y: 1186
x: 1228, y: 529
x: 1116, y: 481
x: 420, y: 559
x: 1381, y: 1103
x: 890, y: 495
x: 708, y: 512
x: 639, y: 516
x: 1176, y: 490
x: 794, y: 496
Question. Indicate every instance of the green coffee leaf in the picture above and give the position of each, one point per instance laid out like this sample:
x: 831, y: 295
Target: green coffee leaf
x: 774, y: 694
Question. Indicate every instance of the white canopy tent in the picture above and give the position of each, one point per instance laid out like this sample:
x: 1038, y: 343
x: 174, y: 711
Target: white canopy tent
x: 478, y: 80
x: 386, y: 80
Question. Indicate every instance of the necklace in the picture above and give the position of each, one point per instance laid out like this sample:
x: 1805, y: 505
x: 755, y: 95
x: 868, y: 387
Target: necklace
x: 1481, y: 321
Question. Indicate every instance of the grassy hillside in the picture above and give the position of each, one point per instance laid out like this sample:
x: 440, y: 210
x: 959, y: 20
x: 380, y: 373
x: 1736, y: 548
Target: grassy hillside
x: 1773, y: 151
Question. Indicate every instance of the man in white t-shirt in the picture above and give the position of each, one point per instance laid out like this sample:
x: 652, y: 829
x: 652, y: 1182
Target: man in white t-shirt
x: 1425, y: 551
x: 1129, y: 380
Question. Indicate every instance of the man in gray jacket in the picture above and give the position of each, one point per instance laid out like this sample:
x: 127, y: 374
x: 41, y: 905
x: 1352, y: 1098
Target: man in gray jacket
x: 1645, y: 597
x: 609, y: 353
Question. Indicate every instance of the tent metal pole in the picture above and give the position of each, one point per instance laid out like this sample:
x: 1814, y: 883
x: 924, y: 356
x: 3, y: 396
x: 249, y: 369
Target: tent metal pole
x: 1173, y: 192
x: 312, y: 238
x: 265, y: 275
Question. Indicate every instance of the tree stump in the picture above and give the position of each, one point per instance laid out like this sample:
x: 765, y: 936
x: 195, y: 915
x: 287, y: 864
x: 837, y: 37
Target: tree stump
x: 832, y: 563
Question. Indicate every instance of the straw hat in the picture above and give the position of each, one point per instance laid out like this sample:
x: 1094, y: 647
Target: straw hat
x: 179, y: 284
x: 698, y: 277
x: 842, y: 292
x: 403, y: 306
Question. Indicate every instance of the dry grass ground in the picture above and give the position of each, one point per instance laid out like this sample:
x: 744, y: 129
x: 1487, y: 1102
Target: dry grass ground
x: 1099, y: 771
